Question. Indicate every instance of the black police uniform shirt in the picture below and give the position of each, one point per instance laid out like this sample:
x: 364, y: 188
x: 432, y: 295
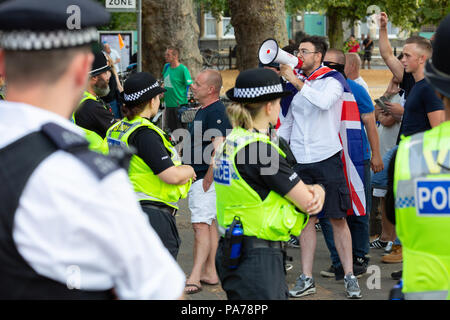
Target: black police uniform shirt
x: 209, y: 117
x: 283, y: 179
x: 92, y: 115
x: 151, y: 149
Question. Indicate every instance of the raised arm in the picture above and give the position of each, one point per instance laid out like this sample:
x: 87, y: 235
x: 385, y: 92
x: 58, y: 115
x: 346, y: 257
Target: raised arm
x: 391, y: 61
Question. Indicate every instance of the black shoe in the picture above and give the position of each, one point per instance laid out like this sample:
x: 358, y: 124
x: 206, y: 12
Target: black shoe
x: 397, y: 275
x: 293, y: 242
x: 360, y: 266
x: 318, y: 227
x: 329, y: 273
x: 339, y: 273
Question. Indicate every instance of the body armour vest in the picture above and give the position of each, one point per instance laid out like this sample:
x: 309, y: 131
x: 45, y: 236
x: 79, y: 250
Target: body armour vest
x: 274, y: 218
x: 422, y: 212
x: 18, y: 280
x: 95, y: 141
x: 146, y: 184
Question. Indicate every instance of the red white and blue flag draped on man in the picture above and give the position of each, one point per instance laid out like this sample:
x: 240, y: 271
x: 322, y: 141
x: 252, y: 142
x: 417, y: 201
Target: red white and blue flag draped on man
x: 350, y: 135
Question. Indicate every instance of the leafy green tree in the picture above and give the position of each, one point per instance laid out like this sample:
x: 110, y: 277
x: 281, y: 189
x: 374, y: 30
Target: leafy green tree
x: 337, y: 12
x: 253, y: 22
x: 120, y: 20
x: 413, y: 14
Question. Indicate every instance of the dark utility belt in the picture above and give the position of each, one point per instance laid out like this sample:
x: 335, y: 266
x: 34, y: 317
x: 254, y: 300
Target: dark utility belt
x: 159, y: 206
x: 253, y: 242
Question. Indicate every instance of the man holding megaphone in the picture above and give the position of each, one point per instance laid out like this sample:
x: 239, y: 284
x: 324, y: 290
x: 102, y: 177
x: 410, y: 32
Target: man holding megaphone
x: 312, y: 128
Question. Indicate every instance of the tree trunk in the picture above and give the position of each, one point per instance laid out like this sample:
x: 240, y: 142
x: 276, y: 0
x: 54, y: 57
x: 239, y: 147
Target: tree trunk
x: 335, y: 30
x: 253, y: 22
x: 169, y: 23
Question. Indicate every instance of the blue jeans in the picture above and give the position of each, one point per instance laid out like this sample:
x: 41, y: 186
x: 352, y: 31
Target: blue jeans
x: 380, y: 179
x: 358, y: 225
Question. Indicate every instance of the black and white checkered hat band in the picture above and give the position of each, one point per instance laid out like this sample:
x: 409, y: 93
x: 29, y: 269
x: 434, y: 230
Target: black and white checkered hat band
x: 46, y: 40
x: 136, y: 95
x: 257, y: 92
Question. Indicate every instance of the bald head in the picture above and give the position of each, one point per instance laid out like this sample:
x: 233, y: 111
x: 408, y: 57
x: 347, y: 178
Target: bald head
x: 335, y: 55
x: 352, y: 65
x: 206, y: 86
x: 214, y: 79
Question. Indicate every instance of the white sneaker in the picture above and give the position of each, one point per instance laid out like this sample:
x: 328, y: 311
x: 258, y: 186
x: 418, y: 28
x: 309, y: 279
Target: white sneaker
x: 352, y: 287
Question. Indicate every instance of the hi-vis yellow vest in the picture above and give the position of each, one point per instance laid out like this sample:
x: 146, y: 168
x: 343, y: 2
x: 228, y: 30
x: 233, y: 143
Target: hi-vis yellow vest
x: 422, y: 212
x: 95, y: 141
x: 146, y: 184
x: 275, y: 218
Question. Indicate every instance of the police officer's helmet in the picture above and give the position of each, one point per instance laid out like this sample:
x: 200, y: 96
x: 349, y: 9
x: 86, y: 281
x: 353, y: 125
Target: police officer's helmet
x: 437, y: 69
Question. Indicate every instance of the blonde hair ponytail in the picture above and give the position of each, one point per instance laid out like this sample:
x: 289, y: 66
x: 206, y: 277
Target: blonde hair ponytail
x: 242, y: 115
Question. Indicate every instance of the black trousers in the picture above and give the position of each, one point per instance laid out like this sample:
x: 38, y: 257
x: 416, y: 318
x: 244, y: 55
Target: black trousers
x: 171, y: 119
x: 260, y: 275
x: 165, y: 226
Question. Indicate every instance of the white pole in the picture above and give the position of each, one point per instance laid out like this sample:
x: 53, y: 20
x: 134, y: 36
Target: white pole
x: 139, y: 32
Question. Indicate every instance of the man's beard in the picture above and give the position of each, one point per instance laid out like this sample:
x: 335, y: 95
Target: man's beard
x: 101, y: 88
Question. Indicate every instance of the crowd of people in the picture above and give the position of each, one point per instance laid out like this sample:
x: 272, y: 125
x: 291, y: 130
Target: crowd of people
x: 91, y: 186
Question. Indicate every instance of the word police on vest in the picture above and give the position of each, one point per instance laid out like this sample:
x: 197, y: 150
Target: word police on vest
x: 222, y: 172
x: 433, y: 197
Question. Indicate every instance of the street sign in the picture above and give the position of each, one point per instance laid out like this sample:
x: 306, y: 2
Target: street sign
x: 120, y: 4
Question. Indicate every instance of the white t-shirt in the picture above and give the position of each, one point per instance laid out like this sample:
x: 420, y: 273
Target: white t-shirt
x: 363, y: 83
x: 114, y: 56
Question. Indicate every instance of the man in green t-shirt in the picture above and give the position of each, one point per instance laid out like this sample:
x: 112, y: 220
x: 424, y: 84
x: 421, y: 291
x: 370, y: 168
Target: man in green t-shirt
x: 176, y: 81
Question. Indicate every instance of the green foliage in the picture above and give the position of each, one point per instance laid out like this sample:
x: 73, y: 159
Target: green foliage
x: 216, y: 7
x: 347, y: 10
x: 406, y: 14
x: 120, y: 20
x: 412, y: 14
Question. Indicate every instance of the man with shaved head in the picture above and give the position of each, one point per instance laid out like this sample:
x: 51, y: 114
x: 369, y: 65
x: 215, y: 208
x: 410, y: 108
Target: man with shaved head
x: 352, y: 67
x: 359, y: 225
x: 208, y: 131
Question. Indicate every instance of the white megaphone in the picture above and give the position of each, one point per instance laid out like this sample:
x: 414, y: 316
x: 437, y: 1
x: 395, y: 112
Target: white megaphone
x: 269, y: 52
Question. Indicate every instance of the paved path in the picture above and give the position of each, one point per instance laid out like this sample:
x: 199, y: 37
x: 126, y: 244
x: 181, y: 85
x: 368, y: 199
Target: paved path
x: 374, y: 286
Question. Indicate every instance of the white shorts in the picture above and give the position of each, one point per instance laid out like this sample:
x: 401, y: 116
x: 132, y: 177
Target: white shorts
x: 202, y: 204
x: 379, y: 193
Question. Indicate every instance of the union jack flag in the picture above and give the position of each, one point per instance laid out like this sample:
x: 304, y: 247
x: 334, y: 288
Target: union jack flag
x: 351, y: 139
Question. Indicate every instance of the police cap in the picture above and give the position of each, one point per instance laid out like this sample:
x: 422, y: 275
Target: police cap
x: 49, y: 24
x: 437, y: 69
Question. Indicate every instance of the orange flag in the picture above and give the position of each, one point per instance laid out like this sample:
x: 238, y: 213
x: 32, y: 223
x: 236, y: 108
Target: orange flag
x: 121, y: 44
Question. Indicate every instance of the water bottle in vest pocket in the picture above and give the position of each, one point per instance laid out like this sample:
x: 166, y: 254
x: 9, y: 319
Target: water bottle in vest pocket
x: 233, y: 244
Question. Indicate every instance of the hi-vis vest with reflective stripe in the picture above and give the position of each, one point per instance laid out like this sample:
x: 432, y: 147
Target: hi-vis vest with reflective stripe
x: 146, y: 184
x: 422, y: 212
x: 275, y: 218
x: 95, y: 141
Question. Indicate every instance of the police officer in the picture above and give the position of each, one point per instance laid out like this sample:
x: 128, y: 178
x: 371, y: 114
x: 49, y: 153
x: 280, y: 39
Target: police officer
x: 158, y: 177
x: 93, y: 115
x: 70, y: 225
x: 256, y: 186
x: 421, y: 185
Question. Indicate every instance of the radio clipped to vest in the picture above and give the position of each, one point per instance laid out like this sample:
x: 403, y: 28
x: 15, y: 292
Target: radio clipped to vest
x: 233, y: 244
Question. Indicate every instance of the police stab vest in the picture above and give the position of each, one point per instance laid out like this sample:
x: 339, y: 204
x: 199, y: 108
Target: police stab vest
x: 95, y: 141
x: 422, y: 211
x: 274, y: 218
x: 146, y: 184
